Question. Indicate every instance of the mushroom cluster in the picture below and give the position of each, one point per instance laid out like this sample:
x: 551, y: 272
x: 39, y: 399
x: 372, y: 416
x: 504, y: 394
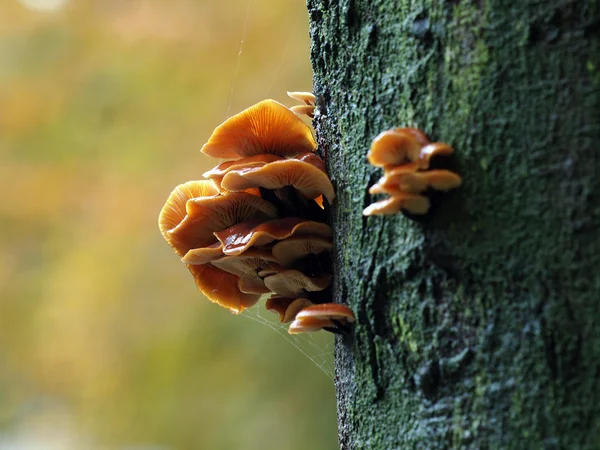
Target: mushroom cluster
x: 407, y: 156
x: 256, y: 224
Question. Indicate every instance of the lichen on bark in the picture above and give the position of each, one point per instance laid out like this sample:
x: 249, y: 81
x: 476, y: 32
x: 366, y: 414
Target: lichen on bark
x: 479, y: 328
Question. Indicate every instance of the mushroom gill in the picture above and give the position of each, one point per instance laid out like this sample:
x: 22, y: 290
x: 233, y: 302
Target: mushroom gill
x: 267, y: 127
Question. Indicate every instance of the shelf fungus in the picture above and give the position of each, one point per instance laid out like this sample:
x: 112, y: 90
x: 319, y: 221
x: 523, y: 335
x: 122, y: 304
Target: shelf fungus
x: 411, y: 174
x: 255, y: 225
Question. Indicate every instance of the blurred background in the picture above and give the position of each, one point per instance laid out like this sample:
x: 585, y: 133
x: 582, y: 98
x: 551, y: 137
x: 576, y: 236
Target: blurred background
x: 105, y: 343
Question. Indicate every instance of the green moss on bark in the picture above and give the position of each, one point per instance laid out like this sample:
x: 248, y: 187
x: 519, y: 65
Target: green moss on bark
x: 479, y: 328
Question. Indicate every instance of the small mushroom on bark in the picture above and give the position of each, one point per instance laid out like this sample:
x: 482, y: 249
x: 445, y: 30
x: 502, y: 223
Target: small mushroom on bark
x: 308, y: 108
x: 406, y: 155
x: 414, y: 204
x: 286, y: 307
x: 329, y: 316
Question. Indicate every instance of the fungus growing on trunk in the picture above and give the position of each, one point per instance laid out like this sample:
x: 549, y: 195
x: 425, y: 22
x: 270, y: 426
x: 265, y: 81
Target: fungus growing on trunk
x: 256, y: 226
x: 308, y: 108
x: 406, y: 156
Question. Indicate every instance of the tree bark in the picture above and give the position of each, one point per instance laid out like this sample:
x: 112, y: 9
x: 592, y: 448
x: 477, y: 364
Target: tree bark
x: 480, y: 327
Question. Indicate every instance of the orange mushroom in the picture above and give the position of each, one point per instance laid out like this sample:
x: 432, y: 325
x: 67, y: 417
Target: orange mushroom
x: 222, y: 288
x: 310, y: 325
x: 221, y: 227
x: 217, y: 173
x: 267, y: 127
x: 174, y: 210
x: 329, y: 316
x: 394, y: 147
x: 303, y: 97
x: 294, y: 248
x: 203, y: 255
x: 306, y: 178
x: 247, y: 266
x: 238, y: 238
x: 205, y: 215
x: 308, y: 108
x: 293, y: 283
x: 286, y: 307
x: 416, y: 182
x: 406, y: 154
x: 414, y: 204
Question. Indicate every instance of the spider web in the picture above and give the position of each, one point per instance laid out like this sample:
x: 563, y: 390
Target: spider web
x: 317, y: 347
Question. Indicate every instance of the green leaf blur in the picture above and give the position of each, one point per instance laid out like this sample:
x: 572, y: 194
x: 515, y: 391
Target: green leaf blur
x: 105, y: 343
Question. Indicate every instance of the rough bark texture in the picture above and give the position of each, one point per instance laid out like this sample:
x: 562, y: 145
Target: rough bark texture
x: 479, y: 328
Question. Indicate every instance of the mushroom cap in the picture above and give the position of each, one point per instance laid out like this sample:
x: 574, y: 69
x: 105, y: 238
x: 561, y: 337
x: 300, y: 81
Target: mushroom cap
x: 432, y: 150
x: 203, y: 255
x: 303, y: 97
x: 416, y: 182
x: 308, y: 179
x: 217, y: 173
x: 222, y: 288
x: 304, y: 110
x: 286, y: 307
x: 174, y: 210
x: 238, y: 238
x: 415, y: 204
x: 393, y: 147
x: 293, y: 283
x: 328, y: 311
x: 206, y: 215
x: 291, y: 249
x: 267, y: 127
x: 309, y: 324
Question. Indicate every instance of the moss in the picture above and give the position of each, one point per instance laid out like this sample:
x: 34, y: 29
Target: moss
x: 479, y: 328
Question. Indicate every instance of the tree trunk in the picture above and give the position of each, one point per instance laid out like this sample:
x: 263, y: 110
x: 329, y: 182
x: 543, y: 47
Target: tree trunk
x: 480, y: 327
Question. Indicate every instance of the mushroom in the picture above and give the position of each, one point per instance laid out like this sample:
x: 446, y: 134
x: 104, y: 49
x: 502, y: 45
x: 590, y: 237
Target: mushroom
x: 247, y: 266
x: 329, y: 316
x: 203, y: 255
x: 267, y: 127
x: 432, y: 150
x: 416, y: 182
x: 393, y: 147
x: 205, y: 215
x: 294, y: 248
x: 303, y: 97
x: 174, y: 210
x: 217, y: 173
x: 222, y: 288
x: 286, y: 307
x: 293, y: 283
x: 253, y: 233
x: 414, y: 204
x: 308, y: 179
x: 306, y: 110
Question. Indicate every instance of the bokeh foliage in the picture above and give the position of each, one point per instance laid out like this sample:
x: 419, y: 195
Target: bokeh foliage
x: 104, y: 340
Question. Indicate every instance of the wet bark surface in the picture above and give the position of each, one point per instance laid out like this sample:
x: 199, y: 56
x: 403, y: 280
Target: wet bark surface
x: 478, y: 327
